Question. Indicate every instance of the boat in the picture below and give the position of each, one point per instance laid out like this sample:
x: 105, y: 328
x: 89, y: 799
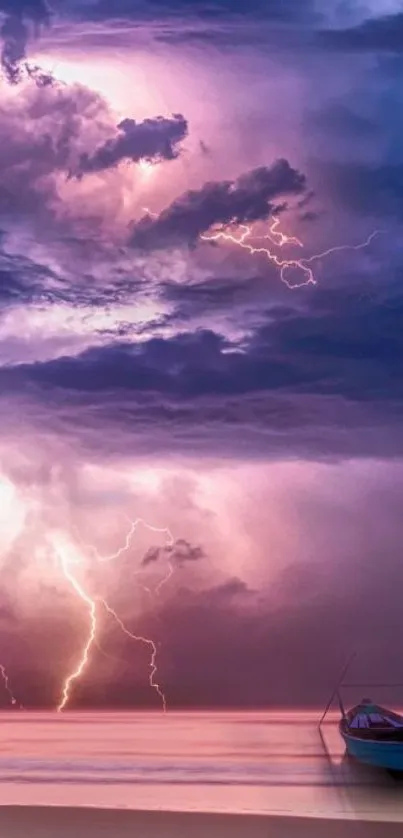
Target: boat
x: 372, y: 734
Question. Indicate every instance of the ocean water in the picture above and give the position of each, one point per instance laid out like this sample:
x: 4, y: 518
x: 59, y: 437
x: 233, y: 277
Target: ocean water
x: 226, y: 762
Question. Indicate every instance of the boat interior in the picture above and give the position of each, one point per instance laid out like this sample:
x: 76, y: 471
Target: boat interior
x: 369, y: 720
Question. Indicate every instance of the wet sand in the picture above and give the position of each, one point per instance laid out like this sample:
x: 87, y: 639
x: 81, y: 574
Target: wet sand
x: 61, y: 822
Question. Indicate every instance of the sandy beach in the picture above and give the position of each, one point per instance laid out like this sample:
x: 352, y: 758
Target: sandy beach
x: 61, y: 822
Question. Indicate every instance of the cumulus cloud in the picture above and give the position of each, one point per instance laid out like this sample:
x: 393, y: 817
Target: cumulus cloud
x: 153, y: 139
x: 59, y: 130
x: 20, y: 19
x: 49, y: 125
x: 249, y: 198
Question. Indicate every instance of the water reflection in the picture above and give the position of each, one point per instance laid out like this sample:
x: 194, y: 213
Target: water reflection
x: 257, y: 762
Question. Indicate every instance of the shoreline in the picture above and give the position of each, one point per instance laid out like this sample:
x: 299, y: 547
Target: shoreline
x: 92, y: 822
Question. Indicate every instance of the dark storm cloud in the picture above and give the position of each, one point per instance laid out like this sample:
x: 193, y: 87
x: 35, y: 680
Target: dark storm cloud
x: 20, y: 20
x: 296, y: 385
x: 153, y: 139
x: 247, y: 199
x: 183, y: 551
x: 152, y: 555
x: 342, y: 345
x: 382, y: 34
x: 209, y: 297
x: 180, y: 552
x: 275, y: 10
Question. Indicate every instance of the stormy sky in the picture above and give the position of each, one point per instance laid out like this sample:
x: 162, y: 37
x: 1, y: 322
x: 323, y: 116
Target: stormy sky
x: 201, y: 379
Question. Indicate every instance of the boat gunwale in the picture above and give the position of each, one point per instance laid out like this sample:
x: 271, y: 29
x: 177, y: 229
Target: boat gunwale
x: 367, y: 741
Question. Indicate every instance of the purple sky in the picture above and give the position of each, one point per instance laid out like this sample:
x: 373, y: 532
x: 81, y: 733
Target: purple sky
x: 253, y: 419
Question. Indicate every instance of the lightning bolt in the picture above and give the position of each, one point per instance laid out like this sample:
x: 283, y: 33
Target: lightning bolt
x: 170, y: 541
x: 138, y: 637
x: 133, y: 527
x: 66, y: 560
x: 283, y: 238
x: 285, y: 265
x: 7, y: 687
x: 165, y: 579
x: 279, y: 239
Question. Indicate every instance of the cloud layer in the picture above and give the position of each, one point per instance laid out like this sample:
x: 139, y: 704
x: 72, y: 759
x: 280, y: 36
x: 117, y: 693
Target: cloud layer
x: 145, y: 373
x: 249, y: 198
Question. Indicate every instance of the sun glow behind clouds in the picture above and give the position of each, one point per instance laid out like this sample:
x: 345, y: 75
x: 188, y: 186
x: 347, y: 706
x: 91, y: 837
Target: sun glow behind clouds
x: 128, y: 84
x: 100, y: 76
x: 146, y: 168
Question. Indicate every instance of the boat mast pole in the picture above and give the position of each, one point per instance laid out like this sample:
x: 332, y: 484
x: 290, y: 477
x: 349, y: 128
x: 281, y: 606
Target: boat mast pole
x: 341, y: 705
x: 336, y: 690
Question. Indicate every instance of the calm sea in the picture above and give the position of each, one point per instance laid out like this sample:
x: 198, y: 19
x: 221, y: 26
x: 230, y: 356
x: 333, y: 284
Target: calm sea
x: 237, y: 762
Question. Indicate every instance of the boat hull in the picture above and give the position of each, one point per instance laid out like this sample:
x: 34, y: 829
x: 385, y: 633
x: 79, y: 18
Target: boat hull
x: 387, y: 755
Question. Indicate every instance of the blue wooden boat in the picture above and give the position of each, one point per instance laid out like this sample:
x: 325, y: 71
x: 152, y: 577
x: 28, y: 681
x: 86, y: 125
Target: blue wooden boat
x: 373, y: 735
